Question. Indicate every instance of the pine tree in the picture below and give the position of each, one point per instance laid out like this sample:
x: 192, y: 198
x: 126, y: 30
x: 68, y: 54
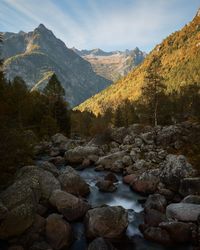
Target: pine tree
x: 153, y: 89
x: 54, y: 87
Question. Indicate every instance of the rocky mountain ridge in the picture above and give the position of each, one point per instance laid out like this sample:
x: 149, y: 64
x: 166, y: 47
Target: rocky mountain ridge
x: 179, y: 54
x: 112, y: 65
x: 36, y: 55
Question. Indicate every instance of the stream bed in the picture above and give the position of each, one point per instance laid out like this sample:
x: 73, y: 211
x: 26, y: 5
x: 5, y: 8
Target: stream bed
x: 124, y: 197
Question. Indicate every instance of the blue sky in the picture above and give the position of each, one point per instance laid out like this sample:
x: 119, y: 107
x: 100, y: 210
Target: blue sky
x: 105, y: 24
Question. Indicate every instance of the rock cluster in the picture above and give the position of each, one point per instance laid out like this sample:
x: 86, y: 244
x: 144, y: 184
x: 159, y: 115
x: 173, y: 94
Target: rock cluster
x: 49, y: 196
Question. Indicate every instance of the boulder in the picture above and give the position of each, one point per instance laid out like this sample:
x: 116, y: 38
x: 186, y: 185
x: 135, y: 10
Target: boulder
x: 156, y: 201
x: 128, y: 179
x: 110, y: 160
x: 127, y: 161
x: 174, y: 169
x: 194, y: 199
x: 73, y: 183
x: 106, y: 186
x: 69, y: 205
x: 108, y: 222
x: 158, y: 235
x: 145, y: 183
x: 183, y: 211
x: 47, y: 181
x: 179, y: 232
x: 48, y: 166
x: 100, y: 244
x: 58, y: 232
x: 154, y: 217
x: 80, y: 153
x: 190, y: 186
x: 111, y: 177
x: 118, y: 134
x: 58, y: 138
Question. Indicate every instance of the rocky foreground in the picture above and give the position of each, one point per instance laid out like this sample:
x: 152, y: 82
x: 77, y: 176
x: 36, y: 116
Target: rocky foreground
x: 38, y: 209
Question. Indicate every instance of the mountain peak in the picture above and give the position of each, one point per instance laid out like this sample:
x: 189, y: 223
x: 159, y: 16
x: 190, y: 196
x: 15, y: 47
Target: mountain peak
x: 41, y: 27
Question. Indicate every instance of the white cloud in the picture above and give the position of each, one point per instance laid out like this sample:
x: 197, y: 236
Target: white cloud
x: 102, y: 24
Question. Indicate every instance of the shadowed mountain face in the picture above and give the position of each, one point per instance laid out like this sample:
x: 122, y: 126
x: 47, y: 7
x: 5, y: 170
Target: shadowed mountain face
x: 36, y: 55
x: 180, y: 65
x: 112, y: 65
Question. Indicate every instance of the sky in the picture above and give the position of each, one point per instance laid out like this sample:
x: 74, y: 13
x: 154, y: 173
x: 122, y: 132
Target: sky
x: 106, y: 24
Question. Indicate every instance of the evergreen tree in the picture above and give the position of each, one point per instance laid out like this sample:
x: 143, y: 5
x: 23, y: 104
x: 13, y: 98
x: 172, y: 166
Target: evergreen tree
x: 54, y: 87
x: 153, y: 89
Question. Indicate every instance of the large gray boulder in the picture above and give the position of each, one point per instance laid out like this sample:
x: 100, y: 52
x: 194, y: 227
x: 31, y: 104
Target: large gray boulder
x: 69, y: 205
x: 47, y: 181
x: 110, y: 161
x: 73, y: 183
x: 80, y: 153
x: 175, y: 168
x: 190, y: 186
x: 108, y: 222
x: 58, y: 232
x: 21, y: 198
x: 183, y: 211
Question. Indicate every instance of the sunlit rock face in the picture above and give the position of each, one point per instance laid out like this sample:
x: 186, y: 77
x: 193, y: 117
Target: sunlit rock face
x: 36, y: 55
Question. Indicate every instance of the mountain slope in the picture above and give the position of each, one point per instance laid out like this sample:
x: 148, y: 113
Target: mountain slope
x: 112, y: 65
x: 36, y: 55
x: 180, y: 57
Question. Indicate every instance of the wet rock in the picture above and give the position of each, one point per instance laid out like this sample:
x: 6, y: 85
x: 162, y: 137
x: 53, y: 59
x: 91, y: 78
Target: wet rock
x: 168, y: 194
x: 48, y: 166
x: 111, y: 177
x: 106, y: 186
x: 179, y: 232
x: 158, y: 235
x: 194, y: 199
x: 69, y: 205
x: 100, y: 244
x: 110, y: 161
x: 128, y: 179
x: 190, y: 186
x: 58, y: 232
x: 156, y: 201
x: 78, y: 154
x: 108, y: 222
x: 174, y: 169
x: 73, y: 183
x: 154, y: 217
x: 146, y: 183
x: 183, y: 211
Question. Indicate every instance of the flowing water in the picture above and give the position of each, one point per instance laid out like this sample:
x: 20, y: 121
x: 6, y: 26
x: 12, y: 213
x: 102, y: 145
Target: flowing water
x: 124, y: 197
